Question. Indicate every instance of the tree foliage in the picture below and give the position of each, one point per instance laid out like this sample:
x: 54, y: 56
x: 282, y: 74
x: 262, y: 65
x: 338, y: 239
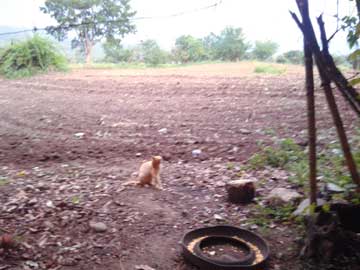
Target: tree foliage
x: 92, y: 20
x: 116, y: 53
x: 229, y: 45
x: 152, y: 53
x: 264, y: 50
x: 189, y: 49
x: 29, y: 57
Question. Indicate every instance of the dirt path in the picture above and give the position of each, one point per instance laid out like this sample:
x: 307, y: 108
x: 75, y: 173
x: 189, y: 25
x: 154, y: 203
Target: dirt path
x: 68, y: 142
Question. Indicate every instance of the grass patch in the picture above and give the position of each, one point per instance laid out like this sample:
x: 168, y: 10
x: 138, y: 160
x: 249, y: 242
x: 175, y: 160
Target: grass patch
x: 270, y: 69
x: 4, y: 181
x: 264, y: 215
x: 288, y: 155
x: 30, y: 57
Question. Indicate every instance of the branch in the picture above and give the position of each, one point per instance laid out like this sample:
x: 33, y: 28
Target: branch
x: 333, y: 35
x: 324, y: 40
x: 296, y: 19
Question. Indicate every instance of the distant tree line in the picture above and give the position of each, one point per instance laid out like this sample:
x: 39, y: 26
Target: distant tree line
x: 229, y: 45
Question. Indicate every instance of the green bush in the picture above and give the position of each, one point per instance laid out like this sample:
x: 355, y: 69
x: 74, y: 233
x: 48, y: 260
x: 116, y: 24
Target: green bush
x: 294, y: 57
x: 30, y: 57
x: 264, y: 50
x: 291, y: 157
x: 268, y: 69
x: 281, y: 59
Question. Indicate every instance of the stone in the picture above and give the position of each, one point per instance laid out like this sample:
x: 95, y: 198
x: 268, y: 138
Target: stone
x: 244, y: 131
x: 79, y: 135
x: 32, y: 202
x: 196, y: 153
x: 279, y: 196
x: 50, y: 204
x: 303, y: 208
x: 241, y: 191
x: 143, y: 267
x: 98, y: 226
x: 218, y: 217
x: 333, y: 188
x: 163, y: 131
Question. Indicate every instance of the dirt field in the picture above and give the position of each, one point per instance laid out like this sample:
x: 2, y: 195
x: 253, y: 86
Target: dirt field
x: 69, y: 141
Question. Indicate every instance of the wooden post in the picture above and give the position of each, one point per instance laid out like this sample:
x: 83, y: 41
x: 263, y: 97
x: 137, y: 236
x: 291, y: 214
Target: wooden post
x: 310, y: 97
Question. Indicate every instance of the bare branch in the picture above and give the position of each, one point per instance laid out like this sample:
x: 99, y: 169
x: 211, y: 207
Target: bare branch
x: 296, y: 19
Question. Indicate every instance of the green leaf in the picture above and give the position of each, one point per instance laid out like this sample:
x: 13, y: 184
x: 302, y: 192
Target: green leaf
x: 326, y: 208
x: 355, y: 81
x: 354, y: 54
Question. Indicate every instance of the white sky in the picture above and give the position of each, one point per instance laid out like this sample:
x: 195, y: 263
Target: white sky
x: 260, y: 19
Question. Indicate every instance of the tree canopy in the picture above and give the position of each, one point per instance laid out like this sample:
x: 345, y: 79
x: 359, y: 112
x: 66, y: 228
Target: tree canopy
x: 92, y: 20
x: 264, y: 50
x: 230, y: 44
x: 189, y: 49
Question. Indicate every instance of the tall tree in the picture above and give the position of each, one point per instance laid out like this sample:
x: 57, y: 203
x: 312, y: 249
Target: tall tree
x: 231, y: 44
x: 92, y: 21
x: 264, y: 50
x: 152, y: 53
x: 189, y: 49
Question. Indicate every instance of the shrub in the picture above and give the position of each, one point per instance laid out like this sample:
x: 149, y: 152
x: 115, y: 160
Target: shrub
x: 291, y: 157
x: 269, y: 70
x: 294, y: 57
x: 29, y: 57
x: 264, y: 50
x: 281, y: 59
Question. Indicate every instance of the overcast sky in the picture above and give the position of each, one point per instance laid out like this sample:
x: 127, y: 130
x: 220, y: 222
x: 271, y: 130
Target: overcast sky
x: 260, y: 19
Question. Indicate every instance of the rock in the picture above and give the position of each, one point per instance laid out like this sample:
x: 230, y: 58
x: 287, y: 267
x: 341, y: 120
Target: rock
x: 244, y: 131
x: 138, y: 154
x: 196, y: 153
x: 98, y: 226
x: 79, y: 135
x: 32, y: 264
x: 220, y: 184
x: 163, y: 131
x: 42, y: 186
x: 303, y: 208
x: 241, y: 191
x: 280, y: 196
x: 143, y: 267
x: 218, y: 217
x: 50, y: 204
x: 333, y: 188
x: 48, y: 224
x: 67, y: 261
x: 32, y: 202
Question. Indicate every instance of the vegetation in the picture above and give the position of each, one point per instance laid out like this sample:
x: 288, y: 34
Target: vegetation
x: 152, y: 53
x: 116, y: 53
x: 290, y: 156
x: 264, y: 216
x: 29, y: 57
x: 269, y: 69
x: 92, y: 21
x: 189, y: 49
x: 264, y: 50
x: 229, y: 45
x: 293, y: 57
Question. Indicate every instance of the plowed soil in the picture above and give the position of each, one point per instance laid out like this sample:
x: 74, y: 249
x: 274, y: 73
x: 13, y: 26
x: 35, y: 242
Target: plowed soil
x: 69, y: 141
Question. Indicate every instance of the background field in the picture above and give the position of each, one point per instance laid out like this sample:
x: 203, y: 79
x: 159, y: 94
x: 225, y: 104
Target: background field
x: 73, y: 138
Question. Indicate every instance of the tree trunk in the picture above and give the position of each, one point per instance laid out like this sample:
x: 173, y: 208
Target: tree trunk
x: 328, y: 72
x: 88, y: 49
x: 311, y: 119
